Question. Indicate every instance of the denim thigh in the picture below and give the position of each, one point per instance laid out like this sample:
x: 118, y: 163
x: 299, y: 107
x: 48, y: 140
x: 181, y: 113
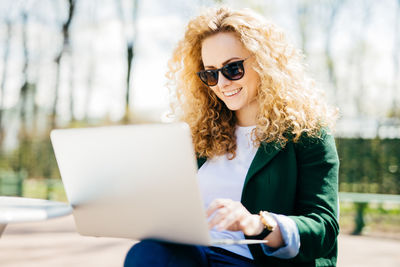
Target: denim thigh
x: 157, y: 253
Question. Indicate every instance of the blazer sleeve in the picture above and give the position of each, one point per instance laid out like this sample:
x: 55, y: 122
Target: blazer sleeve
x: 316, y: 208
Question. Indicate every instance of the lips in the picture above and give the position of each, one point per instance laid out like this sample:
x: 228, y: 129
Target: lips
x: 233, y: 92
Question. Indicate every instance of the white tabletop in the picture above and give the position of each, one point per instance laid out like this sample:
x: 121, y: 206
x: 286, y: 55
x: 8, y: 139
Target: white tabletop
x: 20, y: 209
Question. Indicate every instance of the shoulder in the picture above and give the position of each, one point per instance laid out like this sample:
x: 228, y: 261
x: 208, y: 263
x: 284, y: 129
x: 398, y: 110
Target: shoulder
x: 320, y: 144
x: 323, y: 137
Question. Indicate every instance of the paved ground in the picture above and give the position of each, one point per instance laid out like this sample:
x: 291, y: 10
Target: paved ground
x: 55, y: 243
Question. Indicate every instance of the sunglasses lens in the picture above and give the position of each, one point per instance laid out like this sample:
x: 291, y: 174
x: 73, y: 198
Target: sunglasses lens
x: 233, y: 71
x: 209, y: 77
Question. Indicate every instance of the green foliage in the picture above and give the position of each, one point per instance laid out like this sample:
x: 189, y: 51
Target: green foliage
x: 36, y: 157
x: 44, y: 188
x: 369, y: 165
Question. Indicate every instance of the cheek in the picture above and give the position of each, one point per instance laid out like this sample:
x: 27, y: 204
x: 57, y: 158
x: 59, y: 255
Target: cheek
x: 216, y: 91
x: 255, y: 88
x: 251, y: 86
x: 254, y: 84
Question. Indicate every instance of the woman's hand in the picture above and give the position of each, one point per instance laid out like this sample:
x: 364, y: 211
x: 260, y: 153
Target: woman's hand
x: 233, y: 216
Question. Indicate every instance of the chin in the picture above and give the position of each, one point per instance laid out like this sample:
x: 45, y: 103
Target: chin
x: 233, y: 107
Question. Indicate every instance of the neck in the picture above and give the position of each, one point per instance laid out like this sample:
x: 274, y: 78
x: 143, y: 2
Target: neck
x: 247, y: 115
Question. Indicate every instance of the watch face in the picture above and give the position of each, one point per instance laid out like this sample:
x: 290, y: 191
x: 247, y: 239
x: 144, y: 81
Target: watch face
x: 268, y: 220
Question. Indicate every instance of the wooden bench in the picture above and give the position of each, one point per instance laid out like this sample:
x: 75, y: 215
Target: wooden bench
x: 361, y: 201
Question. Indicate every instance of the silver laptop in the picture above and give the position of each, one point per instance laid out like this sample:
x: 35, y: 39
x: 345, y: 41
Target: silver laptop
x: 136, y: 182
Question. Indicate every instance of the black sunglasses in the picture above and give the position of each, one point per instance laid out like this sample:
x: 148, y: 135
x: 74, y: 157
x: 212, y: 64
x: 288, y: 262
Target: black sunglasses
x: 232, y: 71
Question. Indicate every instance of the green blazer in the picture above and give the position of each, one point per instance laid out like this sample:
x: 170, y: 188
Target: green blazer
x: 301, y: 181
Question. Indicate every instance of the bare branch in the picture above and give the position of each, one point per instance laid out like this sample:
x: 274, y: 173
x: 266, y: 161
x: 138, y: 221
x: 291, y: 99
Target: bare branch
x: 65, y: 48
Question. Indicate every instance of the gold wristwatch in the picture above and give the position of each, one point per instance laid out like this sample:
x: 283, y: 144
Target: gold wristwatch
x: 269, y: 223
x: 268, y: 220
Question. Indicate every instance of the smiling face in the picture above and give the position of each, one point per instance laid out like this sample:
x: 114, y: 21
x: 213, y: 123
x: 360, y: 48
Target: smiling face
x: 240, y: 95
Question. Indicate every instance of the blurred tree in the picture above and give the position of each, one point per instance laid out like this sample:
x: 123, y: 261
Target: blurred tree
x: 26, y: 85
x: 130, y: 35
x: 396, y: 62
x: 65, y: 48
x: 303, y: 19
x: 4, y: 78
x: 89, y: 85
x: 359, y: 58
x: 332, y: 9
x: 71, y: 88
x: 23, y: 135
x: 91, y: 69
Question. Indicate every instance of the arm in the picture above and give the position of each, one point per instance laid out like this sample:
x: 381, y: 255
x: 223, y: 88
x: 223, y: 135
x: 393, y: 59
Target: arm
x: 291, y: 239
x: 317, y: 197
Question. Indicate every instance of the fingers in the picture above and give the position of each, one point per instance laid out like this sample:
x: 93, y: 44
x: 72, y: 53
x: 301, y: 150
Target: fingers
x: 218, y: 217
x: 234, y: 217
x: 251, y: 225
x: 217, y: 204
x: 228, y: 214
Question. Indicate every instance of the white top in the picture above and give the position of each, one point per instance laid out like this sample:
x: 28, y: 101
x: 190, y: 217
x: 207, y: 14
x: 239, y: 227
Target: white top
x: 223, y: 178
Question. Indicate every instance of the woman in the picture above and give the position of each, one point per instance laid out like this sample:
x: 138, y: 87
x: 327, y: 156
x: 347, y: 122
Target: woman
x: 268, y: 166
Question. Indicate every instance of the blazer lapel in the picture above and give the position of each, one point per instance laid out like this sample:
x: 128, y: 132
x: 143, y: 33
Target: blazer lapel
x: 200, y: 161
x: 265, y: 153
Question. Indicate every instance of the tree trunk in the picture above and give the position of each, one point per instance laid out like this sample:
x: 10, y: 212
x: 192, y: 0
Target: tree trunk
x: 396, y: 68
x: 330, y: 62
x: 359, y: 58
x: 23, y: 94
x: 130, y: 54
x: 23, y: 139
x: 302, y: 17
x: 64, y: 48
x: 91, y: 65
x: 71, y: 89
x: 3, y: 81
x: 129, y: 57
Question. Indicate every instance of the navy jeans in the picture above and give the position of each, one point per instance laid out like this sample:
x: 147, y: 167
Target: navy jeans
x: 157, y: 253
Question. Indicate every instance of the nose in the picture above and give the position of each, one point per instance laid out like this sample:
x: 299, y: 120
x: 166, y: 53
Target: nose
x: 223, y: 81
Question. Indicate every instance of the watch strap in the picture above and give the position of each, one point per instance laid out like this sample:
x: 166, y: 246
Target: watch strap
x: 269, y: 225
x: 262, y: 235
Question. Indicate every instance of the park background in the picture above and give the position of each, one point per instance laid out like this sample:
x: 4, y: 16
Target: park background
x: 76, y: 63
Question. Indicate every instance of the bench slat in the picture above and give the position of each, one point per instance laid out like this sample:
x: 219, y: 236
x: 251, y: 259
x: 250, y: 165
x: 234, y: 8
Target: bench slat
x: 368, y: 198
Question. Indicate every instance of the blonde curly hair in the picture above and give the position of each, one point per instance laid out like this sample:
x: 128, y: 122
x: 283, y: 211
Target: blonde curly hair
x: 289, y: 104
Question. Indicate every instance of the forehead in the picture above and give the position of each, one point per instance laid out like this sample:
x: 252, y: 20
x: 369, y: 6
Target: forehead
x: 221, y: 47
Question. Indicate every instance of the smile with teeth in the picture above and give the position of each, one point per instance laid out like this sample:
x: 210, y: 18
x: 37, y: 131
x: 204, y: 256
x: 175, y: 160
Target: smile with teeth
x: 231, y: 93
